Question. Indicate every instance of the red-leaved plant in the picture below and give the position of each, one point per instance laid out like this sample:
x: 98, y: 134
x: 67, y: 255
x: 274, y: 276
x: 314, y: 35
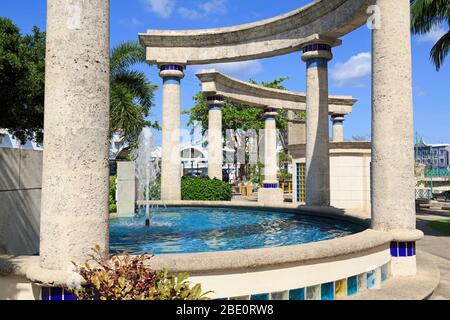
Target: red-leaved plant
x: 127, y: 277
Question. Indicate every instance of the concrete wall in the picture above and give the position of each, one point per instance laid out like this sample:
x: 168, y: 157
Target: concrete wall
x: 349, y: 174
x: 20, y: 201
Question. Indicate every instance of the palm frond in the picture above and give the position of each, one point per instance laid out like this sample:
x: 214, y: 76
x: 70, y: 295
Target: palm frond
x: 440, y: 50
x: 126, y: 55
x: 427, y: 14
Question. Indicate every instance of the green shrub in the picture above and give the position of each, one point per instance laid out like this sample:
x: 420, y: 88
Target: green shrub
x: 112, y: 194
x: 130, y: 278
x: 155, y: 189
x: 205, y: 189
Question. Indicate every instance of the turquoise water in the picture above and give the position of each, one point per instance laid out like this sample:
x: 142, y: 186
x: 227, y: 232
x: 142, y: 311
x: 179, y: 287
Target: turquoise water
x: 193, y: 230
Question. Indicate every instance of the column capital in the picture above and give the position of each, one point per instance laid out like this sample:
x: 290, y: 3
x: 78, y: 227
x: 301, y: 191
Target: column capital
x: 215, y: 102
x: 270, y: 114
x: 175, y: 71
x: 319, y: 50
x: 336, y: 118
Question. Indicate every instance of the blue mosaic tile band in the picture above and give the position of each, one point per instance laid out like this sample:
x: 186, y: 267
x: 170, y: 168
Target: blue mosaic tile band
x: 56, y: 294
x: 215, y: 107
x: 317, y: 63
x: 297, y: 295
x: 172, y: 80
x: 317, y: 47
x: 215, y: 98
x: 403, y: 249
x: 327, y: 291
x: 270, y: 117
x: 270, y: 185
x: 260, y: 297
x: 175, y: 67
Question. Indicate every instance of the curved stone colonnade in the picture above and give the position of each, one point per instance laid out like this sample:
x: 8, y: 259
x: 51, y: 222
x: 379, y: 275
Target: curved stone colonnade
x: 217, y: 87
x: 74, y: 216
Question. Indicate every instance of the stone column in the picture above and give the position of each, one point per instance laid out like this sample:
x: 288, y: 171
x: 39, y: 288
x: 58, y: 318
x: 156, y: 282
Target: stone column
x: 316, y: 57
x: 338, y: 127
x: 215, y: 145
x: 270, y: 193
x: 393, y: 182
x: 126, y: 188
x: 74, y: 210
x: 171, y: 126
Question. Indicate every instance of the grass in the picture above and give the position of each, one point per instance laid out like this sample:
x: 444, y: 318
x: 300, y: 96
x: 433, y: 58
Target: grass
x: 441, y: 225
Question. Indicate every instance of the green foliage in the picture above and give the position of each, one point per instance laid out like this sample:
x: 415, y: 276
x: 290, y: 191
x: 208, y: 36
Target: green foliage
x: 441, y: 225
x: 428, y: 15
x: 205, y: 189
x: 128, y: 277
x: 256, y: 173
x: 155, y: 189
x: 22, y: 69
x: 131, y: 93
x: 112, y: 194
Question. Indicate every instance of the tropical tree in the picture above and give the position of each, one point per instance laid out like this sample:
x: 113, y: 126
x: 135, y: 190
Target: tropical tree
x: 22, y: 69
x: 427, y: 15
x: 131, y: 92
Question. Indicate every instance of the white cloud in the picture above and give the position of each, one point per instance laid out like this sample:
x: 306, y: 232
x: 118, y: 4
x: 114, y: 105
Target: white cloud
x: 163, y: 8
x: 353, y: 71
x: 215, y: 7
x: 433, y: 36
x: 133, y: 22
x: 204, y: 10
x: 189, y: 13
x: 244, y: 68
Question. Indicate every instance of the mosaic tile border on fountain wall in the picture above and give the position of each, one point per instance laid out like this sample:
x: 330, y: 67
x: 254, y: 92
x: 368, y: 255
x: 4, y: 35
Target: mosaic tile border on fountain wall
x: 327, y: 291
x: 339, y: 289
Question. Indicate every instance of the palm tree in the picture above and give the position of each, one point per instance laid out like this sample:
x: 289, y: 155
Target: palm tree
x: 428, y: 15
x: 131, y: 92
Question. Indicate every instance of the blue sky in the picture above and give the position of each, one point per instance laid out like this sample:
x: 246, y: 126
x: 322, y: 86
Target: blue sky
x: 349, y: 70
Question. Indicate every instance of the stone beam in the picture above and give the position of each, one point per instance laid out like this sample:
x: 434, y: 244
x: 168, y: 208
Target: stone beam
x: 280, y: 35
x: 216, y: 83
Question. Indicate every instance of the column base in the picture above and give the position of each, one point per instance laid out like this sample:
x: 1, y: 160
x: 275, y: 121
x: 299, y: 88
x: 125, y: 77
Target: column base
x: 270, y: 196
x: 404, y: 262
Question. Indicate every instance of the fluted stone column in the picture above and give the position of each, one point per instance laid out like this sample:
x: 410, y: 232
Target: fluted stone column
x: 74, y: 212
x: 393, y: 182
x: 215, y: 141
x: 171, y: 131
x: 316, y: 57
x: 270, y: 193
x: 338, y: 127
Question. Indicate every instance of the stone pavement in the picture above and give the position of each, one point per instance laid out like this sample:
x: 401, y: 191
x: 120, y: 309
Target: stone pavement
x: 437, y: 244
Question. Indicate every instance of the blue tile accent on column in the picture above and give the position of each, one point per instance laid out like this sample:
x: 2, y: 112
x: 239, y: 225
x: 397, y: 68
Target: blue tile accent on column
x: 270, y: 117
x: 352, y: 286
x: 297, y: 295
x: 171, y: 67
x: 56, y: 294
x: 371, y: 279
x: 68, y: 296
x: 394, y: 249
x: 409, y: 249
x: 270, y: 186
x: 317, y: 47
x: 327, y: 291
x: 317, y: 63
x: 172, y: 80
x: 218, y: 108
x: 260, y: 297
x: 402, y: 249
x: 45, y: 294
